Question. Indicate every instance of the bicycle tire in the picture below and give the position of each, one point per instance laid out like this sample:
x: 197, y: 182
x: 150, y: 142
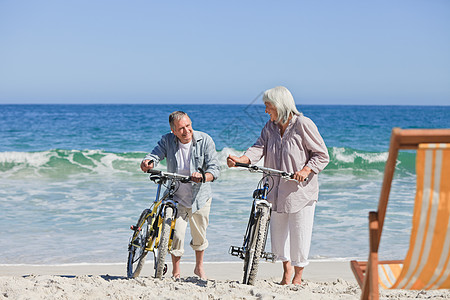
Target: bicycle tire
x: 136, y: 247
x: 163, y: 246
x: 257, y: 246
x: 248, y: 254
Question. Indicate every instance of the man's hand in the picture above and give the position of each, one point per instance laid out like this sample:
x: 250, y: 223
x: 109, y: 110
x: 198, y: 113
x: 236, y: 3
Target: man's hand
x: 197, y: 177
x: 147, y: 165
x: 301, y: 175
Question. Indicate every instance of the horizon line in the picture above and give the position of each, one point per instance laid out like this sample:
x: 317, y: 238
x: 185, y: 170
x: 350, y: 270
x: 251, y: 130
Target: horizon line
x: 260, y: 104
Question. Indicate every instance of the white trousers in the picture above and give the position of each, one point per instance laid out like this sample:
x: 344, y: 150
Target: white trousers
x: 290, y: 235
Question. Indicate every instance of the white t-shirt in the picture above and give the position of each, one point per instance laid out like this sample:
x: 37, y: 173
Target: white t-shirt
x: 184, y: 192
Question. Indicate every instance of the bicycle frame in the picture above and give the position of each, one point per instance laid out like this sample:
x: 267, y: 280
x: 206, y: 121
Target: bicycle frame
x: 255, y: 237
x: 259, y: 201
x: 157, y: 214
x: 154, y: 229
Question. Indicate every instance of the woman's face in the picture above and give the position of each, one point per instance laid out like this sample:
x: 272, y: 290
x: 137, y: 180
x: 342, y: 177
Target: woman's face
x: 272, y: 111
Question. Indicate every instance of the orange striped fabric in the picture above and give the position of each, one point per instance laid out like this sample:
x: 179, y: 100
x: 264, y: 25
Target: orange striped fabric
x: 426, y: 265
x: 388, y: 274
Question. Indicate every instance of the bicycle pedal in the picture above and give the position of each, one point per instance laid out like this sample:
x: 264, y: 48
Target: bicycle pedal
x: 268, y: 256
x: 236, y: 251
x: 133, y: 227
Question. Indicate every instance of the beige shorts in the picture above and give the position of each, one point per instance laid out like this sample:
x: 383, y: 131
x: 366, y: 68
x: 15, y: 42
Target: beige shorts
x: 198, y: 223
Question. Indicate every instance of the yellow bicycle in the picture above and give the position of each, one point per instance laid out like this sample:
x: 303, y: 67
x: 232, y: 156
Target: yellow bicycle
x: 154, y: 228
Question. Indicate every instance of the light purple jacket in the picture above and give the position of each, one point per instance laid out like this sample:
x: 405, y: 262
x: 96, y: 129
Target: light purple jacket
x: 300, y: 145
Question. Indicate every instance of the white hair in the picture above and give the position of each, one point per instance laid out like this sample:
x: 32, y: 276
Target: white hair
x: 282, y: 100
x: 176, y: 116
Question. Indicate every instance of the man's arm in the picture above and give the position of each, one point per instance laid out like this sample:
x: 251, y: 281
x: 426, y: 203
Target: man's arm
x: 211, y: 161
x: 158, y: 153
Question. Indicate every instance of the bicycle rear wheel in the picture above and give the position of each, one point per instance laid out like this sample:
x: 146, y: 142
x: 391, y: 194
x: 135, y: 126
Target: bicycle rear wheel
x: 137, y: 245
x: 163, y: 246
x: 256, y: 245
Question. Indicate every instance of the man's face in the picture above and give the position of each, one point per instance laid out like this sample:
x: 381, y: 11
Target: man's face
x: 272, y: 111
x: 183, y: 130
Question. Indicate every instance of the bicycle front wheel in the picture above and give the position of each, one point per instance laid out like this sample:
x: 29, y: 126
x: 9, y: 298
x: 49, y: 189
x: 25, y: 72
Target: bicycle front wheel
x: 137, y: 245
x: 163, y: 246
x: 256, y: 246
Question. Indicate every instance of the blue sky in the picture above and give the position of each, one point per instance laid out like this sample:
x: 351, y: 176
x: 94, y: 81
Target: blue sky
x: 325, y: 52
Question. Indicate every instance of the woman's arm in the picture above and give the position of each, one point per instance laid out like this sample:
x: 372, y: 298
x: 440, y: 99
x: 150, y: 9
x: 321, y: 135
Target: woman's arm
x: 314, y: 144
x: 258, y: 150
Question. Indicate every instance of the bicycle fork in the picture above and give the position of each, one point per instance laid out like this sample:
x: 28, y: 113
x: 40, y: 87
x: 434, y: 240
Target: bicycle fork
x: 167, y: 201
x: 259, y: 203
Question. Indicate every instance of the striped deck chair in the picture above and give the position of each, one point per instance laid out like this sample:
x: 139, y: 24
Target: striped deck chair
x: 427, y: 263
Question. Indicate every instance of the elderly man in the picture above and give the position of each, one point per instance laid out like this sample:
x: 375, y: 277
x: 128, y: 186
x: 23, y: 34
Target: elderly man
x: 186, y: 150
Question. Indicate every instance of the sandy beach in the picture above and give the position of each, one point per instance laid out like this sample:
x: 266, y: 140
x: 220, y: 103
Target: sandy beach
x: 322, y: 280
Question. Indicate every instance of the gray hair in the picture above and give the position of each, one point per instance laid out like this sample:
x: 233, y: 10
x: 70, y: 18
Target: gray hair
x: 282, y: 100
x: 176, y: 116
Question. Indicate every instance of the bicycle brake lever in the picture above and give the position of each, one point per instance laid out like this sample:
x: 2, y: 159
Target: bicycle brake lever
x: 185, y: 180
x: 154, y: 172
x: 253, y: 167
x: 203, y: 175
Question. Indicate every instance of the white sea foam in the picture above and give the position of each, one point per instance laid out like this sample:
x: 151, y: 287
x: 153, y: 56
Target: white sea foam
x: 28, y: 158
x: 344, y: 155
x: 84, y: 217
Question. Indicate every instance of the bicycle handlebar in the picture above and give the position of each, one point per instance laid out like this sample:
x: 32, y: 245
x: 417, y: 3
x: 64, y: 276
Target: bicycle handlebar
x: 255, y: 168
x: 238, y: 164
x: 175, y: 176
x: 170, y: 176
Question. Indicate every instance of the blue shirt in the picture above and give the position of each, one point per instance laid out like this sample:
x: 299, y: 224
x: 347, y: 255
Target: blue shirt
x: 203, y: 155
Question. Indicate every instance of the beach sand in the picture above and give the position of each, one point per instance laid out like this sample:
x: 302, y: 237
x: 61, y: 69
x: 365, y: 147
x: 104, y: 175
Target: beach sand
x: 322, y: 280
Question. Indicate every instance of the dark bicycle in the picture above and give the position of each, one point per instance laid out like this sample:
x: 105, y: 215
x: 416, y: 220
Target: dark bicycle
x: 258, y: 224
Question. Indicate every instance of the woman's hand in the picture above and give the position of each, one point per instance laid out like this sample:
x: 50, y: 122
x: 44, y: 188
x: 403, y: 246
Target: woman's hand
x: 232, y: 160
x: 301, y: 175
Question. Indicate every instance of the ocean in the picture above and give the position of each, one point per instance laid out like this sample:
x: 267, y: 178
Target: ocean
x: 71, y: 186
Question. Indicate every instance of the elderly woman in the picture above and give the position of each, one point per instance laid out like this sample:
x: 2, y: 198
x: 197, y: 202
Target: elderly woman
x: 289, y: 142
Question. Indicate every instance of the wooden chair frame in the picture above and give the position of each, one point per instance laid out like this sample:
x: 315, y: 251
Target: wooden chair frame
x: 366, y: 273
